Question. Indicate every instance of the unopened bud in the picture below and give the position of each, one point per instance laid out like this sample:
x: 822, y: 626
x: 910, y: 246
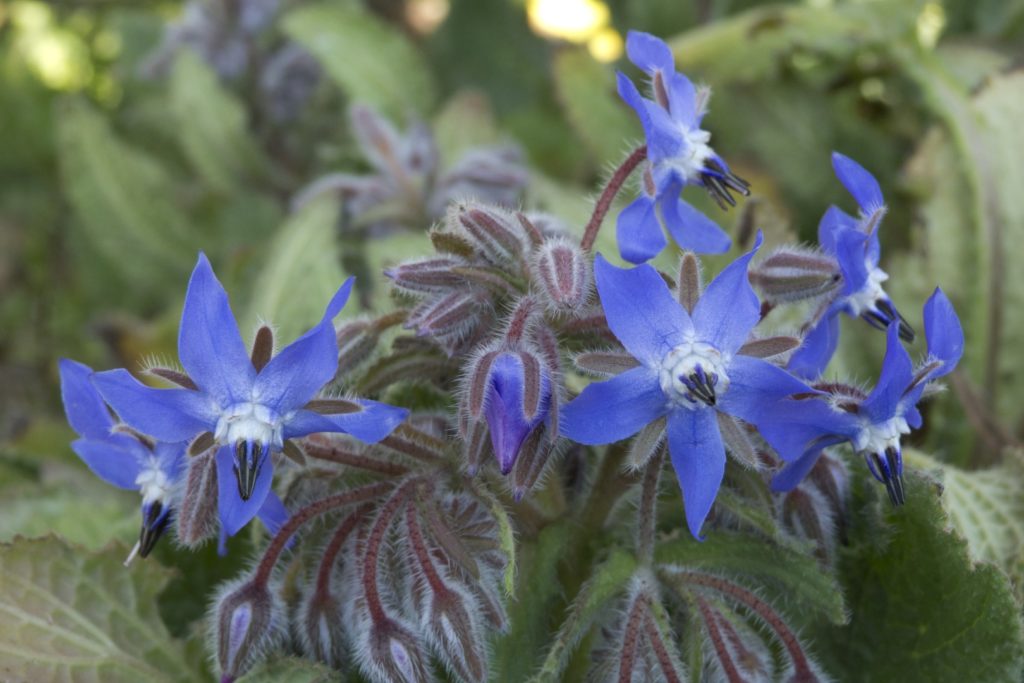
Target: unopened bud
x: 518, y: 397
x: 563, y: 274
x: 447, y: 314
x: 376, y: 137
x: 197, y: 512
x: 427, y: 275
x: 391, y: 652
x: 248, y: 620
x: 496, y: 232
x: 794, y: 274
x: 533, y: 457
x: 320, y: 628
x: 357, y: 341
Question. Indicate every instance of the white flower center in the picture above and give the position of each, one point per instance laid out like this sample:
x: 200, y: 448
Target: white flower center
x: 867, y: 296
x: 877, y: 438
x: 693, y: 375
x: 250, y: 422
x: 696, y: 152
x: 153, y: 483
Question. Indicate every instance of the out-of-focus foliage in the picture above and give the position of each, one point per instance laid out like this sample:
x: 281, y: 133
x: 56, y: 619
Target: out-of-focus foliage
x: 123, y: 156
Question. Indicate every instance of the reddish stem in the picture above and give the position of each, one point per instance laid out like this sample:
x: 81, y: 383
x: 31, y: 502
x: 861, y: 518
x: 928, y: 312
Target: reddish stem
x: 422, y: 553
x: 631, y: 638
x: 277, y: 545
x: 344, y: 530
x: 661, y: 652
x: 604, y: 202
x: 346, y: 457
x: 724, y: 656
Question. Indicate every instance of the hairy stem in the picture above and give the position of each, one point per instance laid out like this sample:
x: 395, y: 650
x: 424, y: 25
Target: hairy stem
x: 604, y: 202
x: 647, y: 514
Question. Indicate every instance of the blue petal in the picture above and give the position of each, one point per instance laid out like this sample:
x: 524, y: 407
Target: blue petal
x: 794, y: 472
x: 115, y: 461
x: 690, y: 228
x: 832, y: 223
x: 663, y: 139
x: 897, y: 373
x: 372, y: 424
x: 729, y: 309
x: 172, y: 458
x: 297, y: 373
x: 209, y: 345
x: 164, y: 414
x: 858, y: 182
x: 641, y: 311
x: 639, y: 232
x: 792, y: 427
x: 943, y: 333
x: 813, y: 356
x: 755, y: 386
x: 851, y: 252
x: 698, y: 456
x: 506, y: 418
x: 649, y: 52
x: 615, y: 409
x: 234, y: 512
x: 273, y: 514
x: 87, y: 414
x: 682, y: 98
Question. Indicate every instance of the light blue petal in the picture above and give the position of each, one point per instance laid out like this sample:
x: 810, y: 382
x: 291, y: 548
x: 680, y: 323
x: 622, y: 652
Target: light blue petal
x: 690, y: 228
x: 834, y: 221
x: 641, y: 311
x: 87, y: 414
x: 897, y: 373
x: 209, y: 344
x: 172, y: 458
x: 649, y: 52
x: 273, y: 514
x: 682, y: 98
x: 639, y: 232
x: 506, y: 418
x: 234, y: 512
x: 115, y: 461
x: 698, y: 456
x: 164, y: 414
x: 372, y: 424
x: 851, y: 252
x: 794, y: 472
x: 729, y: 309
x: 813, y: 356
x: 663, y: 140
x: 943, y: 333
x: 859, y: 183
x: 615, y: 409
x: 755, y: 386
x: 792, y: 427
x: 298, y: 372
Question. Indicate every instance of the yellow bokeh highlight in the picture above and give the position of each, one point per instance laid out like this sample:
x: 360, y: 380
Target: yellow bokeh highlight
x: 606, y: 45
x: 57, y: 56
x: 574, y: 20
x: 426, y: 15
x: 930, y: 23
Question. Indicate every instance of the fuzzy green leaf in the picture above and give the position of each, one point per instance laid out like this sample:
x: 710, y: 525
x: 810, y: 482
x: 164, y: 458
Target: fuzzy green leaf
x: 292, y: 670
x: 370, y: 61
x: 71, y: 615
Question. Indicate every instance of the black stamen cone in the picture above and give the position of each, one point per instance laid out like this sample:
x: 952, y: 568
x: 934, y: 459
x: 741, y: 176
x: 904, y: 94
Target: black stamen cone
x: 247, y: 465
x: 906, y: 331
x: 721, y: 183
x: 154, y: 524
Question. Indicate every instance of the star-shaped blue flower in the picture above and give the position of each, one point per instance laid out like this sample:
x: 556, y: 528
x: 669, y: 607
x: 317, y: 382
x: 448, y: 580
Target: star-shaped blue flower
x: 679, y: 155
x: 120, y: 458
x: 853, y: 242
x: 250, y: 411
x: 689, y: 371
x: 873, y: 424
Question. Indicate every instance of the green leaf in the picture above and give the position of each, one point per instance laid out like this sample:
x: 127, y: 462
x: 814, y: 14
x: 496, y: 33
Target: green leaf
x: 292, y: 670
x: 301, y: 272
x: 794, y: 582
x: 586, y: 91
x: 72, y: 615
x: 464, y: 122
x: 370, y: 61
x: 90, y: 520
x: 607, y: 582
x: 124, y: 201
x: 211, y: 125
x: 921, y: 609
x: 987, y: 508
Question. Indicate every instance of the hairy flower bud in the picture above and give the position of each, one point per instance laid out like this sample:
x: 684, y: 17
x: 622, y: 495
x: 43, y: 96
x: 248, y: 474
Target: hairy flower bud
x: 197, y: 512
x: 563, y: 273
x: 390, y: 652
x: 248, y: 619
x: 320, y: 626
x: 427, y: 275
x: 446, y: 315
x: 498, y: 235
x: 794, y: 273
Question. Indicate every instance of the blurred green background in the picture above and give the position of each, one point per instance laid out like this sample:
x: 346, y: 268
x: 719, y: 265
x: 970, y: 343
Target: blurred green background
x: 129, y: 144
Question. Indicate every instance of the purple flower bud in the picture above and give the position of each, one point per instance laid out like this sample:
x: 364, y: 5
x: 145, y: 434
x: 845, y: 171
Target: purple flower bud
x: 390, y: 651
x: 248, y: 620
x: 562, y: 271
x: 517, y: 400
x: 498, y: 235
x: 427, y: 275
x: 450, y: 314
x: 795, y: 273
x: 197, y: 512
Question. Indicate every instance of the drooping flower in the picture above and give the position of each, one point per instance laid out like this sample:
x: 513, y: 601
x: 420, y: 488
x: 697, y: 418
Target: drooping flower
x: 120, y: 457
x: 250, y: 406
x: 689, y: 371
x: 678, y: 154
x: 874, y: 423
x: 853, y: 243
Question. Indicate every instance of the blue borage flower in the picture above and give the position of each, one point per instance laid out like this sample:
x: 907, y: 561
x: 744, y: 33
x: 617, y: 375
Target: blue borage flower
x: 678, y: 154
x: 120, y: 457
x: 800, y: 429
x: 251, y: 411
x: 689, y: 371
x: 854, y: 243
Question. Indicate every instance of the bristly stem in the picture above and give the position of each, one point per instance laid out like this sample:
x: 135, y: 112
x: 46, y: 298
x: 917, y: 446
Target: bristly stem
x: 604, y: 202
x: 647, y: 515
x: 343, y: 456
x: 341, y: 534
x: 322, y: 506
